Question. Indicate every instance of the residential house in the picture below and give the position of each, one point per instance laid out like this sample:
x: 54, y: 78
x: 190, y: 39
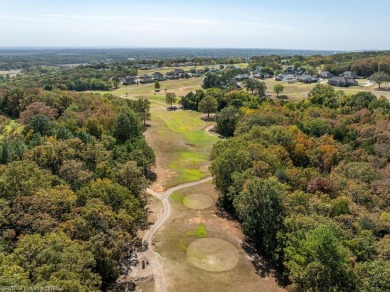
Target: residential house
x: 158, y: 76
x: 241, y: 77
x: 171, y: 75
x: 342, y: 81
x: 326, y: 74
x: 306, y: 78
x: 145, y: 79
x: 129, y: 80
x: 348, y: 74
x: 289, y: 70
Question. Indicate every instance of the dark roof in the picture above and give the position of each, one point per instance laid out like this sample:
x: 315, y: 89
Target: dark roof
x: 348, y: 74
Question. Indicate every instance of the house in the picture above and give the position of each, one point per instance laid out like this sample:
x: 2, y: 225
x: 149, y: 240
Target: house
x: 342, y: 81
x: 241, y: 77
x: 171, y: 75
x: 305, y: 78
x: 145, y: 79
x: 129, y: 80
x: 257, y: 69
x: 289, y: 70
x: 158, y: 76
x: 179, y: 71
x: 326, y: 74
x: 348, y: 74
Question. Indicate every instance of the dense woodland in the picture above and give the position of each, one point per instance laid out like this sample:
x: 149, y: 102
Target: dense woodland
x: 309, y: 182
x: 71, y: 188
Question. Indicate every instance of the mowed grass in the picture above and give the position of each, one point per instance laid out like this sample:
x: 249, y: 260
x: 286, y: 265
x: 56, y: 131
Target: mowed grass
x: 178, y: 137
x: 188, y: 225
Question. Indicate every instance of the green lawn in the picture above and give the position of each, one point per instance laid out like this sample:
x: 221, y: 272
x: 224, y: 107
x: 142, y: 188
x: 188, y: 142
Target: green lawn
x: 178, y: 137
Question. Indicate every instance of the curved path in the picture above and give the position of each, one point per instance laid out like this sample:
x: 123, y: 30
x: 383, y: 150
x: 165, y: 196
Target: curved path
x: 155, y: 261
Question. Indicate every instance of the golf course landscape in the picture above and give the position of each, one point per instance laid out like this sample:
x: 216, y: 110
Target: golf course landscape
x: 201, y: 251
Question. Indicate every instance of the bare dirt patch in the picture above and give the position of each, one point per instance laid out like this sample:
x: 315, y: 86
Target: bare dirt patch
x: 212, y: 254
x: 198, y: 201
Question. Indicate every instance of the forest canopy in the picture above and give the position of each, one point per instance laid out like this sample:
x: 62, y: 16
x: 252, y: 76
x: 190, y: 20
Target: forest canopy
x: 72, y: 182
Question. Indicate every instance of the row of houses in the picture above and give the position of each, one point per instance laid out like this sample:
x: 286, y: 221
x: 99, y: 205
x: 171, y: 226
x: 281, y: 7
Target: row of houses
x: 157, y: 76
x: 303, y: 77
x: 345, y: 79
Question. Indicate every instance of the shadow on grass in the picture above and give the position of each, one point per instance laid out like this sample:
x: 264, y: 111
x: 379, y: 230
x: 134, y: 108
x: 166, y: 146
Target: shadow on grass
x: 264, y: 268
x: 208, y: 119
x: 283, y: 97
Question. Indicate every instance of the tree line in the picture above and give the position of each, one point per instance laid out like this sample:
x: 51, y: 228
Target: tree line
x: 72, y: 187
x: 309, y: 183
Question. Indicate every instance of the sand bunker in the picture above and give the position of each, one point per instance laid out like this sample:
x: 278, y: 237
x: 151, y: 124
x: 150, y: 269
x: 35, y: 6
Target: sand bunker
x: 212, y: 254
x: 198, y: 201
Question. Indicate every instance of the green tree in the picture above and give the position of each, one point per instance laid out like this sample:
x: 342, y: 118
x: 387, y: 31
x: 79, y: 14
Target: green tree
x: 12, y: 274
x: 379, y: 78
x: 260, y: 87
x: 41, y: 124
x: 323, y: 95
x: 170, y: 99
x: 260, y: 209
x: 319, y: 261
x: 374, y: 275
x: 227, y: 120
x: 157, y: 86
x: 114, y: 195
x: 278, y: 88
x: 208, y: 105
x: 23, y: 178
x: 143, y: 109
x: 54, y: 259
x: 126, y: 126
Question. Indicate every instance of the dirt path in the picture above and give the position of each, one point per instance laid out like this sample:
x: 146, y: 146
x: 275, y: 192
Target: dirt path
x: 154, y: 262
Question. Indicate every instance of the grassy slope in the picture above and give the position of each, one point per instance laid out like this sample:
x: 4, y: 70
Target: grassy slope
x: 178, y: 137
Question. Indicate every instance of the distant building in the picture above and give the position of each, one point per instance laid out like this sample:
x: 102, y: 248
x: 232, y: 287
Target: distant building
x: 348, y: 74
x: 342, y: 81
x: 289, y: 70
x: 158, y: 76
x: 129, y: 80
x: 326, y: 74
x: 305, y: 78
x: 241, y: 77
x: 146, y: 79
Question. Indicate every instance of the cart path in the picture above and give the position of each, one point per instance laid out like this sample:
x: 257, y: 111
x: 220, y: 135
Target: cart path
x: 156, y: 262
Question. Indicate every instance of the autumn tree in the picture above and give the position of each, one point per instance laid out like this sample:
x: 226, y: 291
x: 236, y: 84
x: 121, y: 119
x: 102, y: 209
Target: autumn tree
x: 379, y: 78
x: 208, y: 105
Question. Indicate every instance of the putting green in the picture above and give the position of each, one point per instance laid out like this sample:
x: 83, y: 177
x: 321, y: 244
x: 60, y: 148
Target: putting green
x: 212, y: 254
x: 198, y: 201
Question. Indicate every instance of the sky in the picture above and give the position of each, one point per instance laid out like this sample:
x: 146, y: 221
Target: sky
x: 282, y: 24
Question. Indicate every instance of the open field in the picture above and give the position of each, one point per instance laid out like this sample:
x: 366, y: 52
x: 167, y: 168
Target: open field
x: 203, y: 252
